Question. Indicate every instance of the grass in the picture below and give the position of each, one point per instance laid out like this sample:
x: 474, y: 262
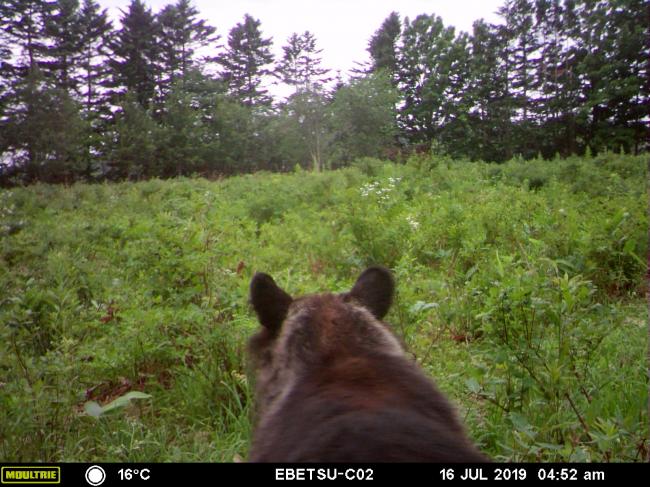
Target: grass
x: 520, y: 291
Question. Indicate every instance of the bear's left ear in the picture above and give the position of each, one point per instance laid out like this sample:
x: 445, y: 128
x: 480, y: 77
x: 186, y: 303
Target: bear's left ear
x: 374, y: 290
x: 269, y: 301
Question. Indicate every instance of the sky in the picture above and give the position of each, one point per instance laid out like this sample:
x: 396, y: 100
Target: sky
x: 342, y: 27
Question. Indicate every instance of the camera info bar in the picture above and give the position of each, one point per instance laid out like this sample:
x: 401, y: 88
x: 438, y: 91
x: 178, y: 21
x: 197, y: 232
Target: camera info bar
x: 125, y: 474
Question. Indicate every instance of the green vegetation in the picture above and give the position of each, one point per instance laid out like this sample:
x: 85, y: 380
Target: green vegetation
x: 162, y: 93
x: 520, y: 290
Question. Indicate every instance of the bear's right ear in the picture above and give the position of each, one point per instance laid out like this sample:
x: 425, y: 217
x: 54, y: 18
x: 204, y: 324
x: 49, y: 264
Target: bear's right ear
x: 374, y: 289
x: 269, y: 301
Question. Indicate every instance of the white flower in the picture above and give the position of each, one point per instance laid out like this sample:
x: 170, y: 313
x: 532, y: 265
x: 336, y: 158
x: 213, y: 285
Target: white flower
x: 393, y: 181
x: 382, y: 192
x: 368, y: 188
x: 413, y: 222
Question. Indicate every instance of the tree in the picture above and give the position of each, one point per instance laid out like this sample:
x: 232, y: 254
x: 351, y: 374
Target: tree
x: 300, y: 64
x: 244, y: 64
x: 491, y: 105
x: 5, y: 74
x: 456, y: 100
x: 134, y: 54
x: 519, y: 17
x: 425, y: 68
x: 305, y: 111
x: 522, y: 48
x: 553, y: 111
x: 309, y: 113
x: 363, y: 119
x: 40, y: 126
x: 131, y: 143
x: 93, y: 69
x: 45, y: 133
x: 180, y: 149
x: 630, y: 95
x: 383, y: 45
x: 64, y: 50
x: 611, y: 62
x: 181, y: 34
x: 91, y: 76
x: 23, y: 26
x: 22, y: 42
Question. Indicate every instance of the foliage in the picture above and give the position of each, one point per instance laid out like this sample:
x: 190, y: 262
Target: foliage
x: 44, y: 132
x: 425, y: 69
x: 134, y: 53
x: 300, y: 64
x: 382, y: 45
x: 524, y: 302
x: 181, y: 34
x: 363, y: 119
x: 245, y: 63
x: 132, y: 143
x: 551, y: 77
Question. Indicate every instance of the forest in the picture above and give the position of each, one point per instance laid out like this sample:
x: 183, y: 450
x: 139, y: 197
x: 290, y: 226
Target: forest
x: 166, y: 94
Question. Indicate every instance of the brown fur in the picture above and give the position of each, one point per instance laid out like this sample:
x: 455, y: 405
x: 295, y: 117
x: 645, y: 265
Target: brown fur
x: 334, y: 384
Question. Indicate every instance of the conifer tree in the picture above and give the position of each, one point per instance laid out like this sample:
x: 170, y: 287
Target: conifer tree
x: 611, y: 55
x: 45, y: 133
x: 245, y: 63
x: 64, y: 38
x: 93, y: 69
x: 382, y: 46
x: 425, y: 68
x: 300, y: 64
x: 181, y: 35
x: 522, y: 51
x: 22, y: 23
x: 491, y: 105
x: 134, y: 54
x: 307, y: 106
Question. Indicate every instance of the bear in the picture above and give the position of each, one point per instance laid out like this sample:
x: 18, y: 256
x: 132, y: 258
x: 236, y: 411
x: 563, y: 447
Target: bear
x: 334, y: 384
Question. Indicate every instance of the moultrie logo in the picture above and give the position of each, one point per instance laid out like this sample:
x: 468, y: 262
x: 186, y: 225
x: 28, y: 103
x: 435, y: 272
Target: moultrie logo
x: 31, y: 475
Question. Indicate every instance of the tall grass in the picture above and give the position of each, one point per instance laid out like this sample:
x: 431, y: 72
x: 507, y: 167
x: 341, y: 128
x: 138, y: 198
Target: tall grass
x: 519, y: 290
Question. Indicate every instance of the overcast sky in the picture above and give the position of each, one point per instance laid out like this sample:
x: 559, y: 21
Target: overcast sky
x: 342, y: 27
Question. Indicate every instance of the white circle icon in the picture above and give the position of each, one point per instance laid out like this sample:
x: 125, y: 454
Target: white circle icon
x: 95, y: 475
